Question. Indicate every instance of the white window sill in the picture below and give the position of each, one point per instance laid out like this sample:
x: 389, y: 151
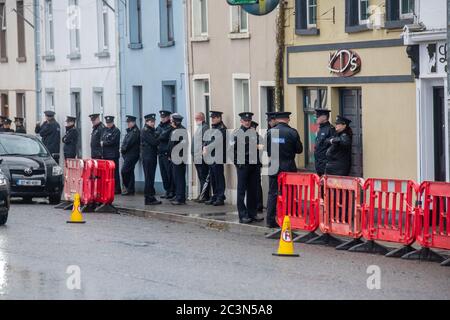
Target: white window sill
x: 200, y: 39
x: 238, y: 35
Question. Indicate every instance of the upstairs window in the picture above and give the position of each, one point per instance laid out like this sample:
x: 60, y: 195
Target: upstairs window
x: 306, y: 17
x: 357, y: 15
x: 312, y: 14
x: 364, y: 14
x: 49, y: 30
x: 135, y: 18
x: 407, y: 9
x: 166, y: 23
x: 239, y: 20
x: 3, y: 51
x: 399, y: 13
x: 21, y: 32
x: 200, y: 18
x: 74, y: 29
x: 103, y: 26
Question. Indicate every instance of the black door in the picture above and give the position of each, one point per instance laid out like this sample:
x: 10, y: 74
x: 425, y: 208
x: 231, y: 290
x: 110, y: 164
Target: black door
x: 351, y: 108
x: 440, y: 173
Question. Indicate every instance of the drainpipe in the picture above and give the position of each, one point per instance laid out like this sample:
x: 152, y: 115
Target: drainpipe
x: 279, y: 59
x: 37, y: 58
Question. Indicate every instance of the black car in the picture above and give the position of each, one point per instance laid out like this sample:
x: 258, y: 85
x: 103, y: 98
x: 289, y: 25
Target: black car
x: 4, y: 199
x: 30, y: 168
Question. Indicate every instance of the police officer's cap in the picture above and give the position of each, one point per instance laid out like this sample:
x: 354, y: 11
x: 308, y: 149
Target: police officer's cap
x: 131, y: 118
x: 109, y: 119
x: 270, y: 115
x: 255, y: 124
x: 3, y: 117
x: 71, y: 119
x: 177, y: 117
x: 246, y: 116
x: 165, y: 113
x: 215, y: 114
x: 322, y: 112
x: 94, y: 116
x: 49, y: 114
x: 18, y: 119
x: 150, y: 116
x: 8, y: 121
x: 342, y: 120
x: 282, y: 115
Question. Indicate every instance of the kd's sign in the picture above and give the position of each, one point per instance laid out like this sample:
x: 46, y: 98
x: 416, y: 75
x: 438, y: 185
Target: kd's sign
x: 344, y: 63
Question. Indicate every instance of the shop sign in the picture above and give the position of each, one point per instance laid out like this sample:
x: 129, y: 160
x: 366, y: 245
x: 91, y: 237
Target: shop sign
x: 344, y: 63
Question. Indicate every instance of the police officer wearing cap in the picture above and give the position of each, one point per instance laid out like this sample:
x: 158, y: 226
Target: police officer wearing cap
x: 96, y: 136
x: 247, y: 163
x: 20, y: 128
x: 217, y: 169
x: 288, y: 144
x: 131, y: 147
x: 164, y: 131
x: 271, y: 120
x: 149, y: 151
x: 50, y: 131
x: 2, y: 121
x: 110, y: 144
x: 259, y: 196
x: 7, y: 126
x: 339, y: 154
x: 178, y: 165
x: 70, y: 139
x: 326, y: 131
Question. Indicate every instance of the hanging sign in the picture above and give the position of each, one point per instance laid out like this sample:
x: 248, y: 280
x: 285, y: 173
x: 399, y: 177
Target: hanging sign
x: 344, y: 63
x: 261, y: 7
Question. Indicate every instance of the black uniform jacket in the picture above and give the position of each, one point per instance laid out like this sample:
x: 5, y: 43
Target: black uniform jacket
x: 131, y: 144
x: 96, y: 138
x: 326, y: 131
x: 149, y: 142
x: 223, y: 132
x: 339, y: 155
x: 70, y: 141
x: 50, y: 131
x: 164, y: 131
x: 111, y: 143
x: 249, y: 154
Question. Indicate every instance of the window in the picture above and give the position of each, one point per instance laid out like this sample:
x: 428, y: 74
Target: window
x: 363, y: 11
x: 241, y: 98
x: 407, y: 9
x: 103, y: 25
x: 306, y: 17
x: 200, y: 18
x: 74, y: 30
x: 267, y: 96
x: 75, y: 110
x: 20, y: 105
x: 3, y: 51
x: 166, y: 23
x: 135, y: 18
x: 49, y: 30
x: 169, y: 96
x: 49, y: 100
x: 202, y: 100
x: 399, y: 13
x: 98, y: 101
x: 313, y: 98
x: 138, y: 104
x: 21, y: 32
x: 356, y: 15
x: 4, y: 104
x: 239, y: 19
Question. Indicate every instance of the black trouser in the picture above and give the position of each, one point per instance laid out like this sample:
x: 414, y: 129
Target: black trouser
x: 259, y: 195
x: 272, y: 200
x: 128, y: 179
x: 165, y: 167
x: 150, y: 164
x: 218, y: 182
x: 179, y: 174
x: 117, y: 186
x: 247, y: 186
x: 202, y: 173
x: 56, y: 157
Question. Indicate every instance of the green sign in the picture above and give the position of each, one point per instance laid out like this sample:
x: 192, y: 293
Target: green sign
x: 241, y: 2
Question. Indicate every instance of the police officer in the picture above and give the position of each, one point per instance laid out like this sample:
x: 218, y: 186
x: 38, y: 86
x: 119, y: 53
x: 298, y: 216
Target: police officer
x: 247, y: 168
x: 164, y: 131
x: 339, y: 154
x: 259, y: 191
x: 110, y: 146
x: 96, y: 136
x: 130, y: 150
x: 271, y: 120
x: 326, y: 131
x: 7, y: 126
x: 70, y: 139
x: 2, y: 121
x: 178, y: 165
x: 20, y: 128
x: 287, y: 141
x: 149, y: 151
x: 50, y: 131
x: 217, y: 166
x: 197, y: 155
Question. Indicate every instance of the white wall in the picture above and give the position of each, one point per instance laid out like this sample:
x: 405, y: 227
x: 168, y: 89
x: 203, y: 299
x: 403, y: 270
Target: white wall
x: 433, y: 13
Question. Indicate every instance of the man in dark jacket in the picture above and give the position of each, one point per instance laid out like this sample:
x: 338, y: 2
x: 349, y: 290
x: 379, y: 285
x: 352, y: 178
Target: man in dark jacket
x: 110, y: 145
x: 70, y: 139
x: 217, y: 165
x: 149, y: 151
x: 7, y: 126
x: 20, y: 128
x: 259, y: 196
x: 96, y: 136
x: 130, y: 150
x: 178, y: 165
x: 164, y: 131
x: 197, y: 157
x: 339, y: 154
x: 283, y: 144
x: 326, y: 131
x: 50, y: 131
x: 2, y: 122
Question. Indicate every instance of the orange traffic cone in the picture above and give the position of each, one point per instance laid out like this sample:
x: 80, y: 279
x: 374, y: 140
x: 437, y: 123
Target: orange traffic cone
x: 286, y: 248
x: 76, y: 216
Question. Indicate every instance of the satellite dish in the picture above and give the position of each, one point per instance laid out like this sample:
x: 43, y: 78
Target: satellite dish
x: 262, y: 8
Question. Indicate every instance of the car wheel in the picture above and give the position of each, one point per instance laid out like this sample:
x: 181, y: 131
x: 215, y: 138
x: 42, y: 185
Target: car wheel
x: 3, y: 218
x: 55, y: 199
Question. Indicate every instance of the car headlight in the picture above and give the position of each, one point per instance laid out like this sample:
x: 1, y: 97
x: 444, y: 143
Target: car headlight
x: 57, y: 171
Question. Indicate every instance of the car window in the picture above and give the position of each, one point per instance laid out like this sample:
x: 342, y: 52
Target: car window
x: 21, y: 146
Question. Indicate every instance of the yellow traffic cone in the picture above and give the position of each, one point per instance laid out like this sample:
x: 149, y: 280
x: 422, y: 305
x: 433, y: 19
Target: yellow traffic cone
x: 286, y: 248
x: 76, y: 216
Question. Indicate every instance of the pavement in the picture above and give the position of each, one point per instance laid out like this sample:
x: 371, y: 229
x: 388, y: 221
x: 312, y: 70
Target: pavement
x: 128, y: 257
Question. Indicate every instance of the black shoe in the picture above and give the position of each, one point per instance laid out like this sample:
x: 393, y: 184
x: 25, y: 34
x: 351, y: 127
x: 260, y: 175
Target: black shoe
x: 219, y: 204
x: 256, y: 219
x: 210, y: 202
x: 245, y: 221
x: 127, y: 194
x: 164, y: 196
x: 260, y: 210
x: 153, y: 202
x: 177, y: 203
x: 272, y: 225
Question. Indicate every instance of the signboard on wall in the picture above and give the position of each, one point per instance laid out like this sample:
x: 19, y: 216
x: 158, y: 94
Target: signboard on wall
x: 344, y: 63
x: 262, y: 7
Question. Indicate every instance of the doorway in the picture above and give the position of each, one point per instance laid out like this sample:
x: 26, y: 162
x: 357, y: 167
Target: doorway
x: 440, y: 173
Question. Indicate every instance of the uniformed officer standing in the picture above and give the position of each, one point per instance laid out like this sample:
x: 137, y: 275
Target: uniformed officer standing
x: 288, y: 142
x: 197, y: 156
x: 259, y: 196
x: 271, y: 120
x: 50, y: 131
x: 96, y: 136
x: 7, y: 126
x: 20, y: 128
x: 70, y: 139
x: 326, y: 131
x: 2, y: 121
x: 217, y: 167
x: 149, y: 151
x: 130, y: 150
x: 110, y: 144
x: 164, y: 131
x: 178, y: 169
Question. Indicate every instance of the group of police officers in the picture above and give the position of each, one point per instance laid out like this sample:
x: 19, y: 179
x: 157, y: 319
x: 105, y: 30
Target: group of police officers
x: 155, y: 144
x: 5, y: 125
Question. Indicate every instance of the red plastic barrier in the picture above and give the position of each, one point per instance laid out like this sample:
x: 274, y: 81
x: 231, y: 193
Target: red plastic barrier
x: 104, y: 182
x: 299, y: 199
x: 77, y: 175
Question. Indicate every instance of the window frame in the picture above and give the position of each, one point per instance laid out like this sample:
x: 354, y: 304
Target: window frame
x: 308, y: 16
x: 103, y: 26
x: 49, y: 28
x: 197, y: 20
x: 21, y: 36
x: 3, y: 35
x: 74, y: 37
x: 135, y: 36
x: 360, y: 20
x: 236, y: 15
x: 409, y: 15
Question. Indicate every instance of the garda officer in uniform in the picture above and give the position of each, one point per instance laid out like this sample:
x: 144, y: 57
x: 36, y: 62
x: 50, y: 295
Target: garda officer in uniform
x: 164, y: 131
x: 149, y: 151
x: 19, y: 125
x: 259, y: 197
x: 2, y: 121
x: 326, y: 131
x: 130, y: 150
x: 70, y: 139
x: 50, y: 131
x: 110, y: 145
x: 339, y: 154
x: 7, y: 126
x: 96, y: 136
x: 217, y: 167
x: 178, y: 169
x: 288, y: 142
